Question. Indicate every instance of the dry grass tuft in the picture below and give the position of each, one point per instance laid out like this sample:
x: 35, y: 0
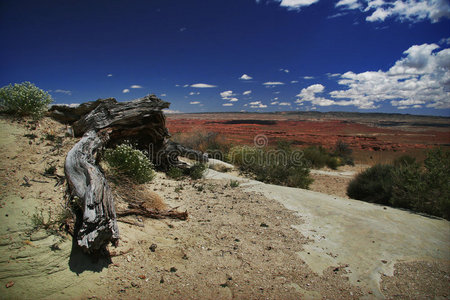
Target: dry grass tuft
x: 126, y: 191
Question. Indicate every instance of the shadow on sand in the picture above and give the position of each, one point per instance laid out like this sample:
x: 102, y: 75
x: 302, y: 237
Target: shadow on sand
x: 80, y: 261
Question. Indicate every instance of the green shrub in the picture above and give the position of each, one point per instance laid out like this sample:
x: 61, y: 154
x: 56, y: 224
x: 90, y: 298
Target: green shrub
x: 24, y: 99
x: 333, y: 162
x: 274, y: 166
x: 342, y: 149
x: 437, y: 179
x: 130, y: 162
x: 196, y: 171
x: 317, y: 156
x: 211, y: 142
x: 175, y: 173
x: 407, y: 184
x: 242, y: 156
x: 234, y: 184
x: 404, y: 160
x: 372, y: 185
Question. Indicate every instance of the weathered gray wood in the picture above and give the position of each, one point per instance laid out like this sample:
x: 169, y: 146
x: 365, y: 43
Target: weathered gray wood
x: 106, y: 123
x: 69, y: 114
x: 89, y: 187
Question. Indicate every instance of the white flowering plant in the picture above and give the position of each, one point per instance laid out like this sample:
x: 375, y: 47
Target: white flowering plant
x: 130, y: 162
x: 24, y: 99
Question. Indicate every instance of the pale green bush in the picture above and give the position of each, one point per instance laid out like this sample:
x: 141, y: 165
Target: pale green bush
x: 130, y: 162
x: 24, y: 99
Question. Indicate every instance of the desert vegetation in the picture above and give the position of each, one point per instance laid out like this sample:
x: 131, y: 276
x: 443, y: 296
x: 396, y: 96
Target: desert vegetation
x: 283, y: 164
x: 319, y: 157
x: 420, y: 187
x: 24, y: 99
x: 131, y: 162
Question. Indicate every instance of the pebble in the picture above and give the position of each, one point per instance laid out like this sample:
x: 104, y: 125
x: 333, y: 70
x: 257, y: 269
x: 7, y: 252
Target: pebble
x: 9, y: 284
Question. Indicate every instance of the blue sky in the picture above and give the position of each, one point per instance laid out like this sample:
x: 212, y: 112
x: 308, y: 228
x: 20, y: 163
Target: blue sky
x: 234, y: 55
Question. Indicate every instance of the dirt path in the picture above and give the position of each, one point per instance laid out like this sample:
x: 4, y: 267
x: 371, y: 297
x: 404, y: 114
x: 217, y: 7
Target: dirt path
x: 369, y: 239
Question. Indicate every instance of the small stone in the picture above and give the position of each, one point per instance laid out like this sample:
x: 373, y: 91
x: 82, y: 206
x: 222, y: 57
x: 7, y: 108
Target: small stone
x: 153, y: 247
x: 264, y: 225
x: 9, y: 284
x: 128, y: 258
x: 173, y: 269
x: 161, y: 280
x: 384, y: 261
x: 142, y: 276
x: 55, y: 247
x: 134, y: 284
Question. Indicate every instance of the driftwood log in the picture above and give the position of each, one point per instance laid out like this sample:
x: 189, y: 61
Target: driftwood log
x: 104, y: 123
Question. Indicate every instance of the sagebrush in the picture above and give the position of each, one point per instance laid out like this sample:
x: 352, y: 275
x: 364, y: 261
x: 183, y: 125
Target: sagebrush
x: 278, y: 166
x: 24, y: 99
x: 133, y: 163
x: 407, y: 184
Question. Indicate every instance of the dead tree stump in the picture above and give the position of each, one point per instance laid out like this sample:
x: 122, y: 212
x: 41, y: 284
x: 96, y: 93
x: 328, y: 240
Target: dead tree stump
x: 107, y: 122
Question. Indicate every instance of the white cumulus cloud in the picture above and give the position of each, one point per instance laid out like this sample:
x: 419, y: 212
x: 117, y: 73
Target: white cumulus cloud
x: 227, y: 95
x: 296, y: 4
x: 284, y: 104
x: 203, y: 85
x: 171, y: 111
x: 257, y: 104
x: 309, y: 94
x: 284, y: 70
x: 349, y: 4
x: 136, y: 86
x: 109, y: 75
x: 227, y: 104
x: 194, y: 102
x: 246, y: 93
x: 125, y: 91
x: 63, y: 92
x: 403, y: 10
x: 273, y: 83
x: 308, y: 77
x: 245, y: 77
x: 420, y: 78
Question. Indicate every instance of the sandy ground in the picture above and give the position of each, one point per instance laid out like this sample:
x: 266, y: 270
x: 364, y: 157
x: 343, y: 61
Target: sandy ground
x: 254, y: 241
x: 38, y: 264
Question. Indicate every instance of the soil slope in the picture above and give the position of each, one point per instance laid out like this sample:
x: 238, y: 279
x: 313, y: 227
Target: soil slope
x: 253, y: 241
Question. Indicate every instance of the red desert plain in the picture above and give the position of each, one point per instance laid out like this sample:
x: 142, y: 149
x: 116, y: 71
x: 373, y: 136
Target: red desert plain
x: 386, y: 134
